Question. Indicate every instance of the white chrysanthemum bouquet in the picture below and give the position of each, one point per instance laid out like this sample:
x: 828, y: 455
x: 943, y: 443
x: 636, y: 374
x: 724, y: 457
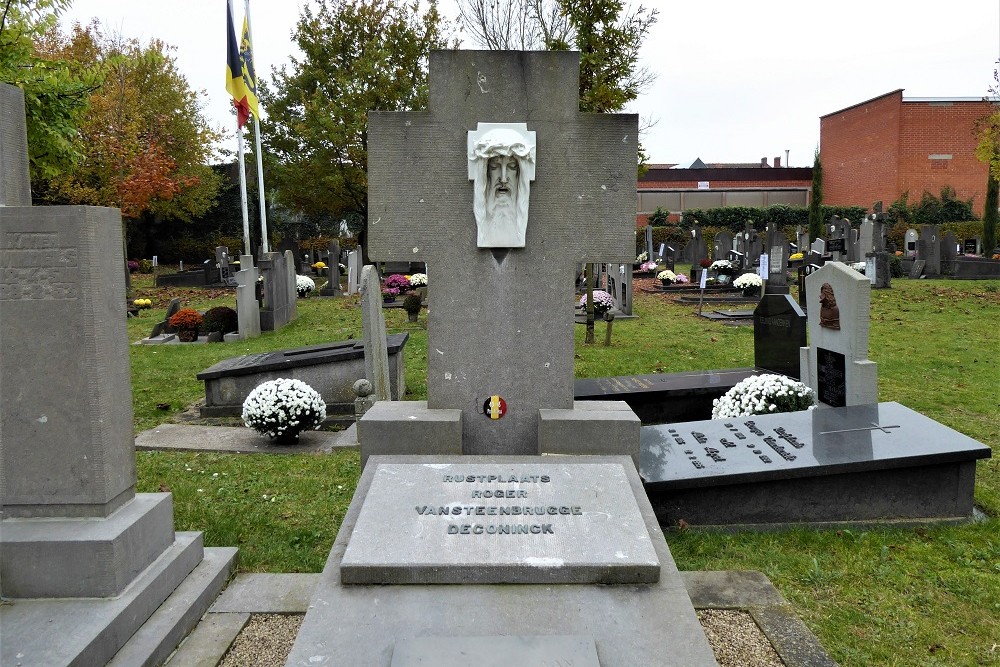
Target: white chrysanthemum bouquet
x: 281, y: 409
x: 304, y: 285
x: 763, y: 395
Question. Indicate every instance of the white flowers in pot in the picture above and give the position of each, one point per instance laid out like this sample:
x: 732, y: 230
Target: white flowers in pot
x: 281, y: 409
x: 304, y: 285
x: 763, y: 395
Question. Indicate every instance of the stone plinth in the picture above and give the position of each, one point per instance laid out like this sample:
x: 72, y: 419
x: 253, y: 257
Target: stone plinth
x: 409, y: 427
x: 591, y: 427
x: 629, y: 624
x: 545, y: 522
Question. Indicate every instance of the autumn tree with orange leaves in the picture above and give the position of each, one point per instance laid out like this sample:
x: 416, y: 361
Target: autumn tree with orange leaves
x: 146, y: 141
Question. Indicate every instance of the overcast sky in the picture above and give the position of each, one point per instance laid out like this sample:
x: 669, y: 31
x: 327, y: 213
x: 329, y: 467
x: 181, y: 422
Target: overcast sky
x: 736, y: 81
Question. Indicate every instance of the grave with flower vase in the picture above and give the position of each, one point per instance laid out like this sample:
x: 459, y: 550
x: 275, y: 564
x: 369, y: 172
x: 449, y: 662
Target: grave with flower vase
x: 851, y: 460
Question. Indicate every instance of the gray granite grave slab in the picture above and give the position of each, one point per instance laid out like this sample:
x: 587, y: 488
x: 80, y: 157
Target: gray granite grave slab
x: 545, y: 522
x: 630, y: 624
x: 575, y: 650
x: 15, y: 185
x: 880, y: 462
x: 481, y: 343
x: 279, y: 295
x: 329, y: 368
x: 929, y: 249
x: 332, y: 287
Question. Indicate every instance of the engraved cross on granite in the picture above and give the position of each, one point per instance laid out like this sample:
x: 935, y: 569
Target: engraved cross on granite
x: 501, y: 319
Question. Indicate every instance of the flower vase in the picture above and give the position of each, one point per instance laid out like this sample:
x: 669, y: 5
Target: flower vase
x: 412, y: 317
x: 187, y: 335
x: 287, y: 437
x: 751, y: 291
x: 666, y: 282
x: 388, y: 299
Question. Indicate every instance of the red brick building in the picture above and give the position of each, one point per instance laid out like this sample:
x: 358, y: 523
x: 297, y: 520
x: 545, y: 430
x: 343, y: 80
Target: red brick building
x: 881, y: 148
x: 714, y: 185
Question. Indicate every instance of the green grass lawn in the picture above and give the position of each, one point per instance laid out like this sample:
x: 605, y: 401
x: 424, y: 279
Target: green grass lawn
x: 926, y: 596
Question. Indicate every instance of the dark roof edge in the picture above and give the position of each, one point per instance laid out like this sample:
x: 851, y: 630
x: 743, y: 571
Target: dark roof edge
x: 738, y: 174
x: 898, y: 91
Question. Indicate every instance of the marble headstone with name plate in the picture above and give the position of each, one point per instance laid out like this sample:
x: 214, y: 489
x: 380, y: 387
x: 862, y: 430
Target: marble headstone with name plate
x: 835, y: 364
x: 777, y: 250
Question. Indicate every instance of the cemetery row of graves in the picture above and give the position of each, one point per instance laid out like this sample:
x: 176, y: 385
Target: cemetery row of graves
x: 283, y: 512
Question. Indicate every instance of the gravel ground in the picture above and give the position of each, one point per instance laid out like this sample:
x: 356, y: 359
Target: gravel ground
x: 735, y: 638
x: 265, y: 641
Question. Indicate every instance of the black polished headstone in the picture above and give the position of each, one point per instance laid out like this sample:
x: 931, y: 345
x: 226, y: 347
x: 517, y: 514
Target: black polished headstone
x: 831, y: 371
x: 779, y: 330
x: 858, y: 463
x: 836, y: 245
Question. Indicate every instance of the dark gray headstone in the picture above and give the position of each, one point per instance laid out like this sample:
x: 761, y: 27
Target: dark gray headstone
x: 929, y: 249
x: 917, y: 269
x: 779, y: 330
x: 949, y: 253
x: 528, y: 362
x: 649, y: 242
x: 276, y: 310
x: 722, y: 245
x: 332, y: 287
x: 289, y: 243
x: 15, y: 183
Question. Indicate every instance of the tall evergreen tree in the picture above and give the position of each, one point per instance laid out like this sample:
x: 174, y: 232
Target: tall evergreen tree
x: 816, y: 201
x: 990, y: 214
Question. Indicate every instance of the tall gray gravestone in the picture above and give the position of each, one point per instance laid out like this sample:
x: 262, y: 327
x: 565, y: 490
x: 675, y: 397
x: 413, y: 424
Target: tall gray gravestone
x: 332, y: 287
x: 499, y: 333
x: 373, y: 325
x: 835, y: 364
x: 293, y: 294
x: 649, y: 243
x: 618, y: 282
x: 353, y: 271
x: 279, y: 295
x: 72, y: 526
x: 247, y: 306
x: 776, y: 245
x: 929, y: 250
x: 949, y: 253
x: 722, y: 245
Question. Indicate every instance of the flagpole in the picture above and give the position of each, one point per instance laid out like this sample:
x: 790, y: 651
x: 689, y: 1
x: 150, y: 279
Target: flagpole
x: 243, y: 195
x: 260, y: 155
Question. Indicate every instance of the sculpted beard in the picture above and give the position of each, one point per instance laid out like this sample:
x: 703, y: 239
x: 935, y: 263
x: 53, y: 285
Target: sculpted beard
x: 501, y: 211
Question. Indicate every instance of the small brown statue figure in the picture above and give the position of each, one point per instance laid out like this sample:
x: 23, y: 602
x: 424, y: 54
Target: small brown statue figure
x: 829, y: 313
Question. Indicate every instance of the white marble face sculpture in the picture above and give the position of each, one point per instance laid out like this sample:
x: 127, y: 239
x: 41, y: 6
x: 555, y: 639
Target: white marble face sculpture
x: 501, y: 167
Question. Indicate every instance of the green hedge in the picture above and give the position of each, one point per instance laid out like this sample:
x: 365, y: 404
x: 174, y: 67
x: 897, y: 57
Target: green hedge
x: 733, y: 218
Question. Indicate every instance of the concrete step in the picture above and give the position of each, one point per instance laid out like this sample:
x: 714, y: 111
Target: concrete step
x: 153, y: 643
x: 208, y: 642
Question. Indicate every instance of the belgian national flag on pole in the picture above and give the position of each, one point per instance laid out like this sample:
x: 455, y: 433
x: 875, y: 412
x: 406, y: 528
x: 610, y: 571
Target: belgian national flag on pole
x: 234, y: 71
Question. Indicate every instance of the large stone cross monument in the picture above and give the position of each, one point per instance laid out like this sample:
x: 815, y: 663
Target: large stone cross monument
x: 500, y: 325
